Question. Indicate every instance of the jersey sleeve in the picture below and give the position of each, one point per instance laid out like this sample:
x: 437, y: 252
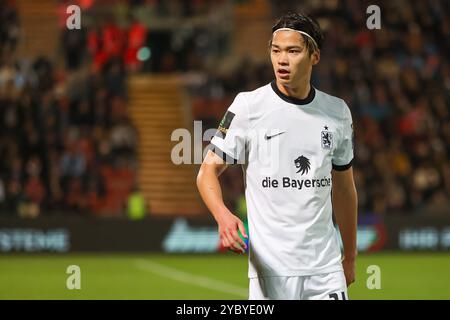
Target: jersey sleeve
x: 343, y: 154
x: 230, y: 139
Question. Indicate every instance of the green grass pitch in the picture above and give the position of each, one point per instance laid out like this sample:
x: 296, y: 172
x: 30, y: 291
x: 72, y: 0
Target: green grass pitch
x: 158, y: 276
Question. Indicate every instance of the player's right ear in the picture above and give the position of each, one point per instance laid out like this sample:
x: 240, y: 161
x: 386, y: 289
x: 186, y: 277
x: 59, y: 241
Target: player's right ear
x: 315, y: 57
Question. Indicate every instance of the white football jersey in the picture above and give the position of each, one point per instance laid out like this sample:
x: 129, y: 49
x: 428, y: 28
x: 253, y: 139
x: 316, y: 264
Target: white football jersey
x: 287, y: 148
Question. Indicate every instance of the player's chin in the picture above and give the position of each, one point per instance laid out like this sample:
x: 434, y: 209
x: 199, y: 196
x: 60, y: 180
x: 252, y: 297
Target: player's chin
x: 284, y: 79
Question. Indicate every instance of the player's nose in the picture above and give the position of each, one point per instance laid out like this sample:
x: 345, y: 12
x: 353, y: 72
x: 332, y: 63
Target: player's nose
x: 282, y: 59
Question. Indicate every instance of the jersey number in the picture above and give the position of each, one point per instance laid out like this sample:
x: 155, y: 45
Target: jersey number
x: 335, y: 296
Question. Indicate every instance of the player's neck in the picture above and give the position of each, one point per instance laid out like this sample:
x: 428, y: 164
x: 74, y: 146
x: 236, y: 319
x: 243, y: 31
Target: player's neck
x: 300, y: 92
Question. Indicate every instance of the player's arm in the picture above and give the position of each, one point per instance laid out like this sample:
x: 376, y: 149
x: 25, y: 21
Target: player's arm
x: 209, y: 187
x: 345, y: 203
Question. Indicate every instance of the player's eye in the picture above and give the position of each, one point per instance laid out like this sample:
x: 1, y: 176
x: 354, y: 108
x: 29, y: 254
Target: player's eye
x: 275, y: 50
x: 294, y: 51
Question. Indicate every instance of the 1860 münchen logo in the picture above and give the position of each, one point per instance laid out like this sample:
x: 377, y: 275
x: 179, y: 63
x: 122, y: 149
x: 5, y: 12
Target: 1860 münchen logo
x: 326, y: 138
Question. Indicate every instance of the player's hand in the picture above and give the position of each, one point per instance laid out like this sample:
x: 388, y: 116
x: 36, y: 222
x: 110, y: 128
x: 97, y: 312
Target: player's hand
x: 229, y: 225
x: 349, y: 270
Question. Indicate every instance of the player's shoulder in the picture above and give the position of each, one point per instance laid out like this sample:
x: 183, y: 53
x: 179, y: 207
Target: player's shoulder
x: 259, y: 92
x: 254, y: 96
x: 252, y: 99
x: 332, y: 105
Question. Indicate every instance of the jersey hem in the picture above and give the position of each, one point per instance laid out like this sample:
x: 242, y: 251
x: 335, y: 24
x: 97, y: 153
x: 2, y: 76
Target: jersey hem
x: 296, y: 273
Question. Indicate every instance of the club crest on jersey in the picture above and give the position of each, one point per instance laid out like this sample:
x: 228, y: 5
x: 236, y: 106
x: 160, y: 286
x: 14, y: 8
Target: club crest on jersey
x: 302, y: 164
x: 327, y: 139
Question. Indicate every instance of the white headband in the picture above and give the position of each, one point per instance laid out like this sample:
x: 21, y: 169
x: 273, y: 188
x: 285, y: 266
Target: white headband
x: 301, y: 32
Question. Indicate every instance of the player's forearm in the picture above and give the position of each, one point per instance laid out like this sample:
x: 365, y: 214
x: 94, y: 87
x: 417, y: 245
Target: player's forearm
x: 345, y: 203
x: 211, y: 192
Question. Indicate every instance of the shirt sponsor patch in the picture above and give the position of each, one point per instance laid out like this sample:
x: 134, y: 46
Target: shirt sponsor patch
x: 224, y: 124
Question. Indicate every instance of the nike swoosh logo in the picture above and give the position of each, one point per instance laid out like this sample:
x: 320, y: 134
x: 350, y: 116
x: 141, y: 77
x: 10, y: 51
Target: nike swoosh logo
x: 274, y: 135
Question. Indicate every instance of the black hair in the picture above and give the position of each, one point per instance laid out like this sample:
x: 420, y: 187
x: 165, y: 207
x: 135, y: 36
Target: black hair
x: 301, y: 22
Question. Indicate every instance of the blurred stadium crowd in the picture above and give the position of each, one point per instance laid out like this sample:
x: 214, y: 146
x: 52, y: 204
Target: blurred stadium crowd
x: 67, y: 144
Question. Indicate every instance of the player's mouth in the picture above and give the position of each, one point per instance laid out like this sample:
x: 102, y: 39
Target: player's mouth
x: 283, y: 73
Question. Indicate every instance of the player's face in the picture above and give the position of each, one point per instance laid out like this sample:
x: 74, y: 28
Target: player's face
x: 290, y: 58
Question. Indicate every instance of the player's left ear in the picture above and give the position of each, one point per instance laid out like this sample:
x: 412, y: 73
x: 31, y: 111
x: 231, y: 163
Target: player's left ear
x: 315, y: 57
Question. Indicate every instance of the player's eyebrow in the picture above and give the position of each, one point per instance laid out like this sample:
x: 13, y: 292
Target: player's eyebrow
x: 287, y: 47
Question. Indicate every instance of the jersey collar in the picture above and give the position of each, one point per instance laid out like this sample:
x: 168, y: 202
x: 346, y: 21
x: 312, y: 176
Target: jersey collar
x: 308, y: 99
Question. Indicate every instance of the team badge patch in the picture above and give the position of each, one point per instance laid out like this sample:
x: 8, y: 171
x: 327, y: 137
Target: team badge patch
x: 225, y: 124
x: 327, y: 139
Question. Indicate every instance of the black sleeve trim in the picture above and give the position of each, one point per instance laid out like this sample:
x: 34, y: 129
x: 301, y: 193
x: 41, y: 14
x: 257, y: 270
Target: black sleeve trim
x: 344, y: 167
x: 225, y: 157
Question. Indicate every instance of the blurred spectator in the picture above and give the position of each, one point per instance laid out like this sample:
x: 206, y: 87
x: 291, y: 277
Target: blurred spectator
x: 136, y: 207
x: 74, y: 42
x: 9, y: 27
